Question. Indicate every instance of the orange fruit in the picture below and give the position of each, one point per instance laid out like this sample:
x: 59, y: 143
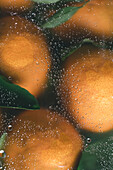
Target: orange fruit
x: 15, y: 5
x: 24, y: 54
x: 87, y: 88
x: 93, y: 21
x: 42, y: 140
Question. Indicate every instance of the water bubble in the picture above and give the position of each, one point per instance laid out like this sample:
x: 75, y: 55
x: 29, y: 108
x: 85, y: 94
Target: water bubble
x: 88, y: 140
x: 2, y: 154
x: 9, y: 78
x: 85, y: 147
x: 10, y: 127
x: 37, y: 63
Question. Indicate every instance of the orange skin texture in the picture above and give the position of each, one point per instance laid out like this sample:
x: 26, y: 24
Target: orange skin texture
x: 45, y: 140
x: 94, y: 21
x: 15, y: 5
x: 24, y: 54
x: 87, y: 88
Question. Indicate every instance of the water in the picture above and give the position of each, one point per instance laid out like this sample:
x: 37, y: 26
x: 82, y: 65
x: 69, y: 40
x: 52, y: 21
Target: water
x: 67, y: 71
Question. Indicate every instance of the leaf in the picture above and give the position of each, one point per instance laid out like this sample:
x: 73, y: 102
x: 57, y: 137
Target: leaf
x: 2, y: 141
x: 72, y: 49
x: 54, y: 1
x: 2, y: 147
x: 98, y: 156
x: 66, y: 53
x: 46, y: 1
x: 61, y: 16
x: 13, y: 96
x: 73, y: 0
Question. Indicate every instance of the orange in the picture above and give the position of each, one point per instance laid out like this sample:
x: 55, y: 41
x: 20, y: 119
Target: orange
x: 87, y: 88
x: 24, y: 54
x: 93, y: 21
x: 42, y: 140
x: 15, y: 5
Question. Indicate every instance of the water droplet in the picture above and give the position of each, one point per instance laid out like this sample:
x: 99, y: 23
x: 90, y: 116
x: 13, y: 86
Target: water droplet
x: 9, y: 78
x: 88, y: 140
x: 37, y: 63
x: 2, y: 154
x: 85, y: 147
x: 10, y: 127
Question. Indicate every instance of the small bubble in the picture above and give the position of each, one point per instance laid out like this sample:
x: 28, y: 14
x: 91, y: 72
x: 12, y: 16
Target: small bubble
x: 9, y: 78
x: 88, y: 140
x: 10, y: 127
x: 85, y: 147
x: 2, y: 154
x: 50, y: 107
x: 37, y: 63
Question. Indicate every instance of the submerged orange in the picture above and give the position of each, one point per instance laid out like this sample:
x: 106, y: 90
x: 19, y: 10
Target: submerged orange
x: 42, y: 140
x: 87, y: 88
x: 15, y: 5
x: 24, y: 54
x: 93, y: 21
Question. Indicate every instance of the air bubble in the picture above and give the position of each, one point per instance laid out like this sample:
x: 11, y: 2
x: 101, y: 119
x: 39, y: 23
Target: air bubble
x: 85, y: 147
x: 9, y: 78
x: 2, y: 154
x: 37, y: 63
x: 10, y: 127
x: 88, y: 140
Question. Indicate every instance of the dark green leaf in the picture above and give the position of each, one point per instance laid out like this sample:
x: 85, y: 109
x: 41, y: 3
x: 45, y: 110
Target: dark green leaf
x: 61, y: 16
x: 72, y: 49
x: 98, y: 156
x: 46, y: 1
x: 13, y: 96
x: 54, y: 1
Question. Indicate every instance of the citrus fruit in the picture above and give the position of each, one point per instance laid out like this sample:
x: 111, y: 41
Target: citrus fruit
x: 93, y: 21
x: 42, y: 140
x: 15, y: 5
x: 87, y: 88
x: 25, y: 57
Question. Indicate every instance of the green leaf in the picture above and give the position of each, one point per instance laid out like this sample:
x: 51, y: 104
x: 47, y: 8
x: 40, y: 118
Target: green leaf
x: 61, y: 16
x: 3, y: 140
x: 54, y: 1
x: 46, y: 1
x: 73, y: 0
x: 98, y: 156
x: 2, y: 147
x: 13, y: 96
x: 67, y: 52
x: 72, y: 49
